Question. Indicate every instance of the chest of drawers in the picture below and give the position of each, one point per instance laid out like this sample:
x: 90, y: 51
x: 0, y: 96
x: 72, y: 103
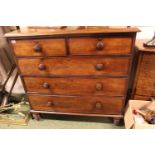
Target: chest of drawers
x: 75, y: 72
x: 144, y: 83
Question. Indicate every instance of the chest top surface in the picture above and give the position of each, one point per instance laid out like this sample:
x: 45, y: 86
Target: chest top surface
x: 141, y: 48
x: 49, y: 31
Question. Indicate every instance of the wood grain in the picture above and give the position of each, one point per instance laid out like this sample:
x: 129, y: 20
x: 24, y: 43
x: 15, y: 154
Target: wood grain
x: 146, y: 77
x: 141, y: 97
x: 33, y: 32
x: 141, y: 48
x: 77, y: 86
x: 84, y: 71
x: 50, y: 47
x: 112, y: 45
x: 96, y: 105
x: 75, y: 66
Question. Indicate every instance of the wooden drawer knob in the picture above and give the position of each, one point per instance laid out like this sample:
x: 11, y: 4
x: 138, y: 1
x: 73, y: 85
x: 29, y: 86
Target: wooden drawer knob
x: 49, y: 104
x: 37, y: 48
x: 98, y: 105
x: 99, y: 67
x: 55, y: 103
x: 99, y: 46
x: 46, y: 85
x: 41, y: 67
x: 99, y: 86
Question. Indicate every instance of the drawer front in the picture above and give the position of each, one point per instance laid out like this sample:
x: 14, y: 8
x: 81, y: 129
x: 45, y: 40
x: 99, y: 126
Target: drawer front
x: 145, y: 86
x: 102, y: 46
x: 75, y: 66
x: 86, y: 105
x: 39, y: 47
x: 77, y: 86
x: 146, y: 77
x: 147, y: 66
x: 140, y: 97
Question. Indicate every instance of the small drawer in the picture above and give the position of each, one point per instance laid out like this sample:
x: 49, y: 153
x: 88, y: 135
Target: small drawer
x: 145, y: 86
x: 147, y: 67
x: 75, y: 66
x: 76, y: 86
x: 100, y: 46
x: 142, y: 97
x: 39, y: 47
x: 85, y: 105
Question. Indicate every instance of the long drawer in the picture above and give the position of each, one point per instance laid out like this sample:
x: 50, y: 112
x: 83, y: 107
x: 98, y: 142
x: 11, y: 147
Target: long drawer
x: 86, y: 105
x: 39, y: 47
x: 100, y: 46
x: 75, y: 66
x: 76, y: 86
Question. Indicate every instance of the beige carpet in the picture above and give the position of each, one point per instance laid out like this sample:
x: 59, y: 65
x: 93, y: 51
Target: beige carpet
x: 66, y: 122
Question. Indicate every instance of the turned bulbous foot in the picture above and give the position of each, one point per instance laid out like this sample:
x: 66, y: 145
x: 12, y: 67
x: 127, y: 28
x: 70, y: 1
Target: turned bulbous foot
x: 117, y: 121
x: 36, y: 116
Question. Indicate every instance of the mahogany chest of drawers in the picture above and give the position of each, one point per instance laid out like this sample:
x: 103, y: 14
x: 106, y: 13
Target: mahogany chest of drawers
x: 75, y: 72
x: 144, y: 83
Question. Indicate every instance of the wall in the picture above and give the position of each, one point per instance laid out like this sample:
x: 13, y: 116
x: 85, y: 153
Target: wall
x: 147, y: 32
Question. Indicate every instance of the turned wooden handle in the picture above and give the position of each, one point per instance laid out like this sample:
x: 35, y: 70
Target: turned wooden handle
x: 98, y: 105
x: 49, y: 104
x: 99, y: 67
x: 46, y: 85
x: 52, y: 103
x: 99, y: 86
x: 41, y: 67
x: 37, y: 48
x: 99, y: 46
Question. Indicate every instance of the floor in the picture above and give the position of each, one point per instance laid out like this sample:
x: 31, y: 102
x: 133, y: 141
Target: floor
x: 66, y: 122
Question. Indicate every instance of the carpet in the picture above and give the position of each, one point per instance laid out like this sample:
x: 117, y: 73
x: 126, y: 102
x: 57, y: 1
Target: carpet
x: 66, y: 122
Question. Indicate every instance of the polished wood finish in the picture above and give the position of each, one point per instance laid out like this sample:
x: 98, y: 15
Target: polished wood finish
x: 146, y: 79
x: 86, y: 104
x: 76, y: 86
x: 57, y: 32
x: 39, y: 47
x: 139, y: 45
x: 75, y: 66
x: 144, y: 86
x: 83, y: 71
x: 142, y: 97
x: 100, y: 46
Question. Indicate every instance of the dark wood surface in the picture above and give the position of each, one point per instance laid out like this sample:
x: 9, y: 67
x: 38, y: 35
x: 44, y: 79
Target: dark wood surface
x: 48, y: 47
x: 76, y: 86
x: 142, y: 97
x: 109, y: 45
x: 75, y: 66
x: 144, y: 84
x: 82, y: 72
x: 87, y: 104
x: 53, y: 31
x: 139, y: 44
x: 146, y: 77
